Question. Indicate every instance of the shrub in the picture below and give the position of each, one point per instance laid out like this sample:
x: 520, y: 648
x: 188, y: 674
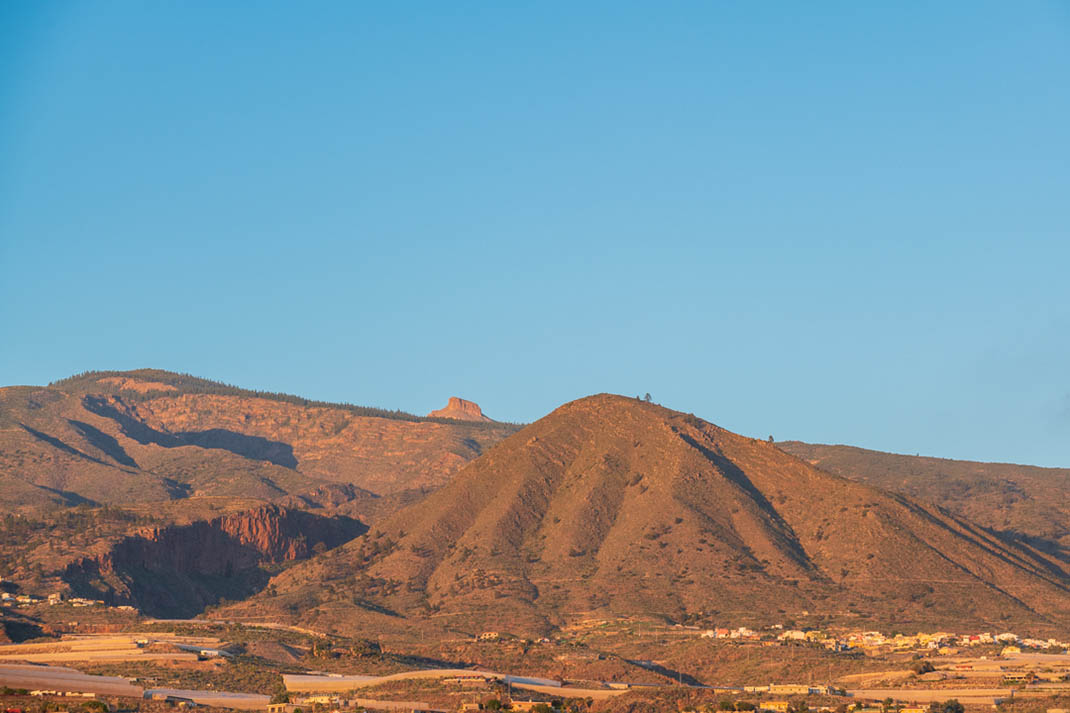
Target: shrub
x: 923, y: 667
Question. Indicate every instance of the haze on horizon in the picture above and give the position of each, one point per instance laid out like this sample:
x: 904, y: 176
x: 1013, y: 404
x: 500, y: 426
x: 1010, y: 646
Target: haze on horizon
x: 839, y: 223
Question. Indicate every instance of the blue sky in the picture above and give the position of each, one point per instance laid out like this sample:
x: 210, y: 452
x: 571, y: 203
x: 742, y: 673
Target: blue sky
x: 838, y: 222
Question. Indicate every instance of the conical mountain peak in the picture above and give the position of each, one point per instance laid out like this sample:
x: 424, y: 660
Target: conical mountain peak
x: 610, y: 504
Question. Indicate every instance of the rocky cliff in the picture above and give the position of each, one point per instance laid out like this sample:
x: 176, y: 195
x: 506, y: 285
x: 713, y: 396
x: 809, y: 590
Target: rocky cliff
x: 181, y: 569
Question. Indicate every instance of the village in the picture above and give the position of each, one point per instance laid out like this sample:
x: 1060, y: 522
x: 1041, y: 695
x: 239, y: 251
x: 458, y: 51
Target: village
x: 833, y: 639
x: 943, y: 643
x: 26, y: 601
x: 924, y: 671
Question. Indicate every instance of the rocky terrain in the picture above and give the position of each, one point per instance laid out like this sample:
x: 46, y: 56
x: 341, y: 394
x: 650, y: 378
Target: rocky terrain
x: 171, y: 492
x: 175, y: 493
x: 177, y: 570
x: 612, y: 506
x: 151, y: 435
x: 1019, y: 502
x: 461, y: 410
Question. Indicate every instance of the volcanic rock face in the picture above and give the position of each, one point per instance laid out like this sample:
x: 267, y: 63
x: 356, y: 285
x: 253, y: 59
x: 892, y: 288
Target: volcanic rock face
x: 177, y: 570
x: 617, y: 507
x: 460, y: 410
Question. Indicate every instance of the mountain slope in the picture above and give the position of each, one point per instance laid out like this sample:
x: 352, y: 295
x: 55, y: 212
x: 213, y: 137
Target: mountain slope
x: 1019, y: 501
x: 613, y: 506
x: 149, y: 435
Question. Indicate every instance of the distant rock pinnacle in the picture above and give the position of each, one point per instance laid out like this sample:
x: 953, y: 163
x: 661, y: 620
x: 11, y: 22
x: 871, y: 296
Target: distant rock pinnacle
x: 461, y: 410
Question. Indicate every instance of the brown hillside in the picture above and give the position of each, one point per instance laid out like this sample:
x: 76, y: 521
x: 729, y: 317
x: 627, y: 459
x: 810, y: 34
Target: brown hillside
x: 150, y: 435
x: 174, y: 452
x: 613, y: 506
x: 1019, y: 501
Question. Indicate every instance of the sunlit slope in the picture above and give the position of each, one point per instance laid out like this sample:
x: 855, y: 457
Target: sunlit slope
x: 610, y: 505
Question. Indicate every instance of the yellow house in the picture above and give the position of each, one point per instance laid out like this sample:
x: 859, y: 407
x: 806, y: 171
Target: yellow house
x: 776, y: 706
x: 527, y: 705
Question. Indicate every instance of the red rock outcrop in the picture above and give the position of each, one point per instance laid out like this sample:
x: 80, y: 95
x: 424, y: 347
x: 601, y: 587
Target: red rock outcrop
x: 179, y: 569
x: 460, y: 410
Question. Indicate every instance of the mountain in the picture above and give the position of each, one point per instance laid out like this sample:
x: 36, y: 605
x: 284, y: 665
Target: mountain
x: 151, y: 435
x: 112, y: 474
x: 1019, y: 502
x: 610, y: 506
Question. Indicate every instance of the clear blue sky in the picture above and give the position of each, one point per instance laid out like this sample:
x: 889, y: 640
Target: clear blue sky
x: 838, y: 222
